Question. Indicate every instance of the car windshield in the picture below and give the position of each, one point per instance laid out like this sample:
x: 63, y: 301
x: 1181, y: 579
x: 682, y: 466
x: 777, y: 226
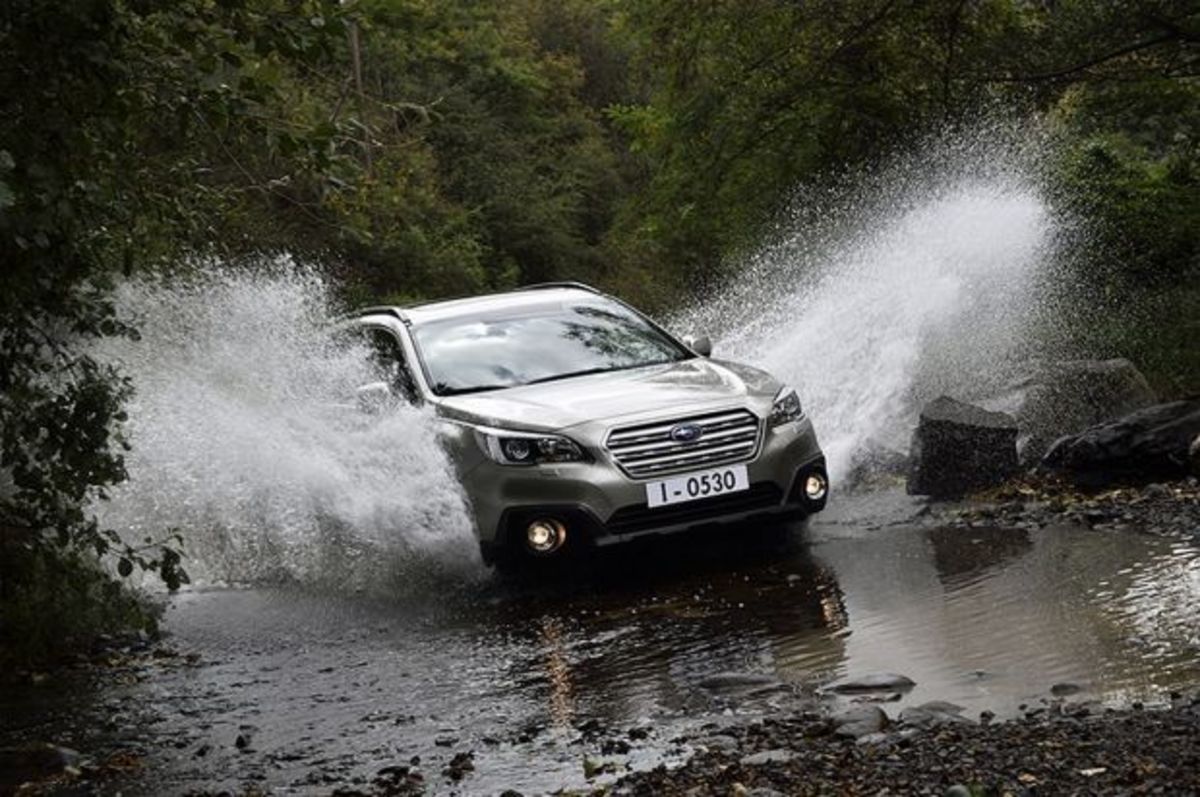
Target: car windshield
x: 467, y: 355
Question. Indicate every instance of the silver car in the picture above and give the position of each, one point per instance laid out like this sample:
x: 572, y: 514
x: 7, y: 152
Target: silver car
x: 576, y: 421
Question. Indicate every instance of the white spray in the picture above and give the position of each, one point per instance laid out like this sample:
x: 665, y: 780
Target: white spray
x: 246, y: 438
x: 921, y: 280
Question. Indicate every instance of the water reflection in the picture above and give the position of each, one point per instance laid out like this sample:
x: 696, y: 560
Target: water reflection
x: 989, y: 618
x: 672, y: 635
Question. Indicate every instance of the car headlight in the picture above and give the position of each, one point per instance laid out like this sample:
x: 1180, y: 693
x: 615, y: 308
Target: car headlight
x: 786, y: 408
x: 525, y: 448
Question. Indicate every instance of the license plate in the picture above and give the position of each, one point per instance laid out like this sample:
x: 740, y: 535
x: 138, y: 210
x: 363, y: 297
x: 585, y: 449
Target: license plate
x: 694, y: 486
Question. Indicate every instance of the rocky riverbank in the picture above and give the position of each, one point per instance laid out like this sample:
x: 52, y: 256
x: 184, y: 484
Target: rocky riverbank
x: 1063, y: 749
x: 1162, y: 508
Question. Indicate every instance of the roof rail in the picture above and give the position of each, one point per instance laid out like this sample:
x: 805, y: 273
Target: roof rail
x: 381, y: 309
x: 538, y: 286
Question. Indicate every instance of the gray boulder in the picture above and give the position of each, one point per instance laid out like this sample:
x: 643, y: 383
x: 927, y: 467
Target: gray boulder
x: 1053, y: 399
x: 860, y: 721
x: 1149, y: 445
x: 958, y: 448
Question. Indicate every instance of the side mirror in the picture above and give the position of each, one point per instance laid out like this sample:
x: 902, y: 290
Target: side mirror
x: 374, y: 397
x: 701, y: 345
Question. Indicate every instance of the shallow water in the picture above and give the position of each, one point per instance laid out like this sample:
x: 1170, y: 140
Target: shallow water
x: 534, y: 677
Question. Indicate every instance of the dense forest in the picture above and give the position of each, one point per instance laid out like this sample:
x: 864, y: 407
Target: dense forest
x: 438, y: 147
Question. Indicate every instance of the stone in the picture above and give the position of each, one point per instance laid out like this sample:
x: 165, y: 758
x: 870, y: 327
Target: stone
x: 1065, y: 689
x: 1146, y: 446
x: 860, y: 721
x: 777, y: 756
x: 1051, y: 399
x: 735, y: 681
x: 958, y: 448
x: 874, y: 682
x: 932, y: 715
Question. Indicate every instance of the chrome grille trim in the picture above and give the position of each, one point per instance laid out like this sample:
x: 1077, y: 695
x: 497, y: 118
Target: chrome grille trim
x: 646, y: 450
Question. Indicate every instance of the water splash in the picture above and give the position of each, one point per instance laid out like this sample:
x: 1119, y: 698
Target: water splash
x: 922, y: 278
x: 245, y: 437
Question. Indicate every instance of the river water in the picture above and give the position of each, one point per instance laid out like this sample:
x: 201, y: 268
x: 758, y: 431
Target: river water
x: 532, y: 678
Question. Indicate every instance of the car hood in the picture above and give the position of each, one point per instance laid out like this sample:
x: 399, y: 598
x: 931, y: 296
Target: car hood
x: 676, y: 388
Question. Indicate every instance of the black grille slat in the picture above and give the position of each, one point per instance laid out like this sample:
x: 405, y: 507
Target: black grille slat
x: 647, y: 449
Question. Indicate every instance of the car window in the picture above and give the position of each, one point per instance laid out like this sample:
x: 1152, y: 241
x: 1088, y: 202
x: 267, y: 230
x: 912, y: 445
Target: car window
x: 387, y: 357
x: 470, y: 354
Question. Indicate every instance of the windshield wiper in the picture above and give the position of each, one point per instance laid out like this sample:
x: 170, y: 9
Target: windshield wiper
x: 442, y: 389
x: 571, y: 374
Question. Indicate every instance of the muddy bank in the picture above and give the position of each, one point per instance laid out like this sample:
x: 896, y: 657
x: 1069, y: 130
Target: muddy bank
x: 1068, y: 751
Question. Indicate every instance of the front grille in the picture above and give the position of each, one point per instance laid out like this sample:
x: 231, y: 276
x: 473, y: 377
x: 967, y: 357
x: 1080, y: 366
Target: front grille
x: 762, y: 496
x: 647, y: 450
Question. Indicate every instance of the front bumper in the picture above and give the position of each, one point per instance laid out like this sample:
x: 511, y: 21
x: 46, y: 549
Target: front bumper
x: 608, y: 506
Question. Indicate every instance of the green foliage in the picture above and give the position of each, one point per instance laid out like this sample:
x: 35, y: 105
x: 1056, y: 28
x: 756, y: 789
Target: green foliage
x: 131, y: 132
x: 59, y: 603
x: 486, y: 166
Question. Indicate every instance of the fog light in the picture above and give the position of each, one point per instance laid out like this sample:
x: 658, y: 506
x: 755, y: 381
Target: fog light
x: 815, y: 487
x: 545, y: 536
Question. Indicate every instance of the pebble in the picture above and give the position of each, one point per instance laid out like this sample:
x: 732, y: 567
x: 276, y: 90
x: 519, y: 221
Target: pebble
x: 780, y: 756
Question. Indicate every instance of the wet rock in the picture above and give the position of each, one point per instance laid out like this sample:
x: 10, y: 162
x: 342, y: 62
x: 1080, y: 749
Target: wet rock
x: 1149, y: 445
x: 32, y: 762
x: 934, y: 714
x: 737, y: 681
x: 1052, y: 399
x: 958, y: 448
x: 777, y: 756
x: 614, y: 747
x: 874, y: 682
x: 958, y: 790
x: 1157, y: 490
x: 459, y: 766
x: 721, y: 741
x: 874, y: 739
x: 1065, y: 689
x: 399, y: 780
x: 860, y: 721
x: 763, y: 791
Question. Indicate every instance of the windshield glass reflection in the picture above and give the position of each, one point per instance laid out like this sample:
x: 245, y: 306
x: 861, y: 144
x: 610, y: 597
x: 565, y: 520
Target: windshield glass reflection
x: 466, y: 355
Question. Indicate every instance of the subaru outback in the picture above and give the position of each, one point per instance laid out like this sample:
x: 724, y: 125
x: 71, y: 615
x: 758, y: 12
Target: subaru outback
x: 575, y: 421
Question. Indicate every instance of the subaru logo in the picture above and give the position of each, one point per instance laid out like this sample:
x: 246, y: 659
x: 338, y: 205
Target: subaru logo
x: 687, y: 433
